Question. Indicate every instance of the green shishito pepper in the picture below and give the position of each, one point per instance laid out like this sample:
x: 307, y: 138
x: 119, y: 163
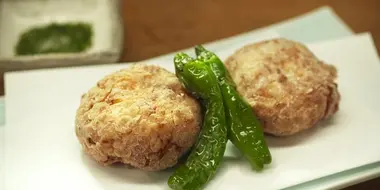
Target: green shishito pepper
x: 244, y: 131
x: 207, y: 154
x: 55, y: 38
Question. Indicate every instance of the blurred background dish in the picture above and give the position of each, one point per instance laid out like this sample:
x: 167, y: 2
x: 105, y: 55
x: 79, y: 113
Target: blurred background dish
x: 59, y: 33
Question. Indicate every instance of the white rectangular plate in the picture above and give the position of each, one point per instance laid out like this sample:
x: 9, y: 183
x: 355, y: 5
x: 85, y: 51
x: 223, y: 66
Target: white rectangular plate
x: 41, y: 150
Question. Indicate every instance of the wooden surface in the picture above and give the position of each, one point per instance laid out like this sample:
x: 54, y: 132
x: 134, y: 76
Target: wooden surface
x: 156, y: 27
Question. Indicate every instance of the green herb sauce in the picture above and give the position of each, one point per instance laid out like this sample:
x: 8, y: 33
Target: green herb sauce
x: 55, y: 38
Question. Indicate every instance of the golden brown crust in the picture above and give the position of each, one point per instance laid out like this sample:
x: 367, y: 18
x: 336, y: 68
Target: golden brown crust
x: 287, y: 86
x: 139, y: 116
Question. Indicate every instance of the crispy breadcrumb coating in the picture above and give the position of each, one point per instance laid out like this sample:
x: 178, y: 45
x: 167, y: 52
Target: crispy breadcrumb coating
x: 287, y: 86
x: 139, y: 116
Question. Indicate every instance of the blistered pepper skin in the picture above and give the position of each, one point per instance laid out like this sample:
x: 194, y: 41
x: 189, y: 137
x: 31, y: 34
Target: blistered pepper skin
x: 244, y: 129
x: 207, y: 154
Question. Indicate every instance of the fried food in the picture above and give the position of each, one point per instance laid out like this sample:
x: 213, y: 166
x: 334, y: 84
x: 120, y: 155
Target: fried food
x: 139, y: 116
x: 288, y: 87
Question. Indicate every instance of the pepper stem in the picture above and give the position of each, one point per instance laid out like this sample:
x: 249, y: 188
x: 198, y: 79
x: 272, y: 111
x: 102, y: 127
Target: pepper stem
x: 199, y: 49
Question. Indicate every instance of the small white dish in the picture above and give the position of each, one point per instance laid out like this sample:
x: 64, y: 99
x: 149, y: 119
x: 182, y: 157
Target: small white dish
x: 18, y: 16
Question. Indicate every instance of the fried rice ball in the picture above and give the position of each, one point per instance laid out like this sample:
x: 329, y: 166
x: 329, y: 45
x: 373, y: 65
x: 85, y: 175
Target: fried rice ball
x: 140, y: 116
x: 288, y: 87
